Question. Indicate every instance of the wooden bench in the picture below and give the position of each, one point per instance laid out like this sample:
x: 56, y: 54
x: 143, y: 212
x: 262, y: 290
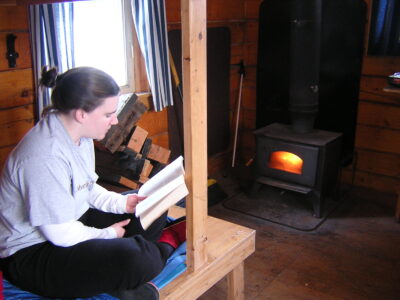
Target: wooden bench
x: 228, y: 246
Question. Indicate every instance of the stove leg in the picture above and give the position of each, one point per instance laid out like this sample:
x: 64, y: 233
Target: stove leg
x: 317, y: 203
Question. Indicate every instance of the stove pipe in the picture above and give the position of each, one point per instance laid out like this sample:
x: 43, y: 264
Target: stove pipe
x: 305, y: 31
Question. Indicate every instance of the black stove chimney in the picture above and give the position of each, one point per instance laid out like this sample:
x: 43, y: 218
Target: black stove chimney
x: 305, y: 31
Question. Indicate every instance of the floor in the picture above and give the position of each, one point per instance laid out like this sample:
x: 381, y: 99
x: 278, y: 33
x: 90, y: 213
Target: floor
x: 354, y: 254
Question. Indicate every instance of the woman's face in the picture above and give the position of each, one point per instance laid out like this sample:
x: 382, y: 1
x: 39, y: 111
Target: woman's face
x: 100, y: 120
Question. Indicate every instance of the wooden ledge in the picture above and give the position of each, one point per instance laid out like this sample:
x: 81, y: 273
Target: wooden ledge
x: 228, y: 246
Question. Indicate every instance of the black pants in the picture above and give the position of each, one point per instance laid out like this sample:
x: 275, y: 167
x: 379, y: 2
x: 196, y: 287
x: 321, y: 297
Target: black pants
x: 94, y: 266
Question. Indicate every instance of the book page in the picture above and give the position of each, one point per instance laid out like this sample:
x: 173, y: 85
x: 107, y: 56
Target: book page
x: 166, y: 175
x: 148, y: 217
x: 158, y: 195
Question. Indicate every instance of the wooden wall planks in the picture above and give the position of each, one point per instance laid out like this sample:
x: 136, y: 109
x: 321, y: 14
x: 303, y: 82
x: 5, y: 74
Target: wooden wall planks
x: 16, y: 84
x: 378, y: 124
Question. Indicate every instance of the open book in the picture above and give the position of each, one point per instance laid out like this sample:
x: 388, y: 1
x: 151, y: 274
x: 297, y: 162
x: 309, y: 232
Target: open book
x: 163, y: 190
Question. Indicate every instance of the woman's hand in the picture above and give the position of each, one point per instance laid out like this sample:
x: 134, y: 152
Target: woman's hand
x: 119, y: 227
x: 132, y: 201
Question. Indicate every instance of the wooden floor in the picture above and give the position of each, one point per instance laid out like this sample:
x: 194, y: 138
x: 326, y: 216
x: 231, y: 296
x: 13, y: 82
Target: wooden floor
x: 354, y: 254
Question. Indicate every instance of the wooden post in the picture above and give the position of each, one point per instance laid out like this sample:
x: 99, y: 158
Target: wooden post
x: 236, y: 283
x: 194, y: 69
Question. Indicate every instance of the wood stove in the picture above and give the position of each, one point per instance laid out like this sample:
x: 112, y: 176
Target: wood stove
x: 303, y: 162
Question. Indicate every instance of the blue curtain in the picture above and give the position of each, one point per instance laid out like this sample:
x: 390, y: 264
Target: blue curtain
x: 151, y: 27
x: 384, y: 38
x: 52, y: 43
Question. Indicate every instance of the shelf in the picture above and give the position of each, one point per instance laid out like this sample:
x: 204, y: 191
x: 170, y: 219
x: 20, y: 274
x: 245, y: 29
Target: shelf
x: 392, y: 89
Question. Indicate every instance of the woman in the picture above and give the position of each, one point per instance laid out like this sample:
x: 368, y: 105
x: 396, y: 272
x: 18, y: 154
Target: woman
x: 61, y: 234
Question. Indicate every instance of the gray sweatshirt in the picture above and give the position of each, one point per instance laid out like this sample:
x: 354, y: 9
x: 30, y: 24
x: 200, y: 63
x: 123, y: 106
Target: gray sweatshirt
x: 47, y: 179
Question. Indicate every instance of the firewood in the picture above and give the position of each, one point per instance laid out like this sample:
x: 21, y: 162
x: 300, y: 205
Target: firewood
x: 128, y: 183
x: 137, y: 139
x: 159, y: 154
x: 147, y: 167
x: 127, y: 118
x: 146, y: 147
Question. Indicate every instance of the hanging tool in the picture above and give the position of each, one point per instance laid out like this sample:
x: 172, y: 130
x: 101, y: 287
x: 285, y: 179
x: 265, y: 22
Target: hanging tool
x: 11, y: 55
x: 242, y: 73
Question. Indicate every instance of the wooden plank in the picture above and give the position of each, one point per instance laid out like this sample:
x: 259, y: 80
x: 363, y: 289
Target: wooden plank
x: 249, y: 119
x: 219, y: 10
x: 16, y: 88
x: 11, y: 133
x: 147, y: 167
x: 372, y: 89
x: 128, y: 183
x: 18, y: 113
x: 137, y: 139
x: 378, y: 163
x: 159, y: 153
x: 375, y: 114
x: 161, y: 139
x: 237, y: 53
x: 8, y: 2
x: 251, y: 33
x: 13, y: 18
x: 250, y: 54
x: 22, y: 47
x: 248, y: 96
x: 376, y: 182
x: 392, y: 89
x: 228, y: 246
x: 154, y: 122
x: 173, y: 11
x: 194, y: 69
x: 380, y: 65
x: 378, y: 139
x: 252, y: 8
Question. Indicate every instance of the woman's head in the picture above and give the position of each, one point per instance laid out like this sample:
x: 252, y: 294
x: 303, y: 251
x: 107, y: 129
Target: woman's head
x: 79, y: 88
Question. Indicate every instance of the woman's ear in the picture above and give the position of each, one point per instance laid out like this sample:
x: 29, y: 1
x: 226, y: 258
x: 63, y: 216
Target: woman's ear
x: 79, y: 115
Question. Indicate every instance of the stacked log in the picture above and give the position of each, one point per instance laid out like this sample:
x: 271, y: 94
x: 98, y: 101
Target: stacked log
x: 126, y: 156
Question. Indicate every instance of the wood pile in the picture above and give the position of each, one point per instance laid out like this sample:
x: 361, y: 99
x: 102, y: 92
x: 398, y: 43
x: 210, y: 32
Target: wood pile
x: 127, y: 156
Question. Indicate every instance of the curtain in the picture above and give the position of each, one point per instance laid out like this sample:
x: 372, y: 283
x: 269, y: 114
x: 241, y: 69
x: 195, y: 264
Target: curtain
x: 151, y: 27
x: 385, y: 28
x: 52, y: 43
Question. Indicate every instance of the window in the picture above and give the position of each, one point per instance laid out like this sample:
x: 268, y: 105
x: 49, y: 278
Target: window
x: 102, y: 38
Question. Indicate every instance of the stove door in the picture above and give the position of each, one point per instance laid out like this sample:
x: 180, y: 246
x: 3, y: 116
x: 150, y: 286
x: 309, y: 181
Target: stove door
x: 287, y: 161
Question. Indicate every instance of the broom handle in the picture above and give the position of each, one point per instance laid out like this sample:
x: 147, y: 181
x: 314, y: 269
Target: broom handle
x: 237, y: 120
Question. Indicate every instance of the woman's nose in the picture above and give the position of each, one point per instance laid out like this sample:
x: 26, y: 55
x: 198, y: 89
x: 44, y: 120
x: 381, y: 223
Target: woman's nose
x: 114, y: 120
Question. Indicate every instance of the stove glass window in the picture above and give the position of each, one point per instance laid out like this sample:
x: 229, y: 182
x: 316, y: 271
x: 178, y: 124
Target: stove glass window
x: 286, y: 161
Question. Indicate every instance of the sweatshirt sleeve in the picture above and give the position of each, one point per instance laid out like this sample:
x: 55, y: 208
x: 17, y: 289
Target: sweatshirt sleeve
x: 74, y: 232
x: 107, y: 201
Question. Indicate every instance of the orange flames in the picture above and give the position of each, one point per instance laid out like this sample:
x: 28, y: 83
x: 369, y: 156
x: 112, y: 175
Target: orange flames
x: 285, y: 161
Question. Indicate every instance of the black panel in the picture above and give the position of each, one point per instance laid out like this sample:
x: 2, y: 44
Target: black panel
x: 283, y: 65
x: 218, y: 79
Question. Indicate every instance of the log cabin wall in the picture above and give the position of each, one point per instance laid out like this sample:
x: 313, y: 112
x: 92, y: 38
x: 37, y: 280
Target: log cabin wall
x: 16, y: 84
x: 377, y: 141
x: 378, y: 125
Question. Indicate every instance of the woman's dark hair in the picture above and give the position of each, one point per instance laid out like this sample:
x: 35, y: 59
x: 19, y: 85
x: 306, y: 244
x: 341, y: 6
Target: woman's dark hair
x: 79, y: 88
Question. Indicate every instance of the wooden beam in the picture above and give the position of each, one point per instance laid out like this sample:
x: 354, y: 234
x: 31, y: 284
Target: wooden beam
x: 236, y: 283
x: 194, y: 17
